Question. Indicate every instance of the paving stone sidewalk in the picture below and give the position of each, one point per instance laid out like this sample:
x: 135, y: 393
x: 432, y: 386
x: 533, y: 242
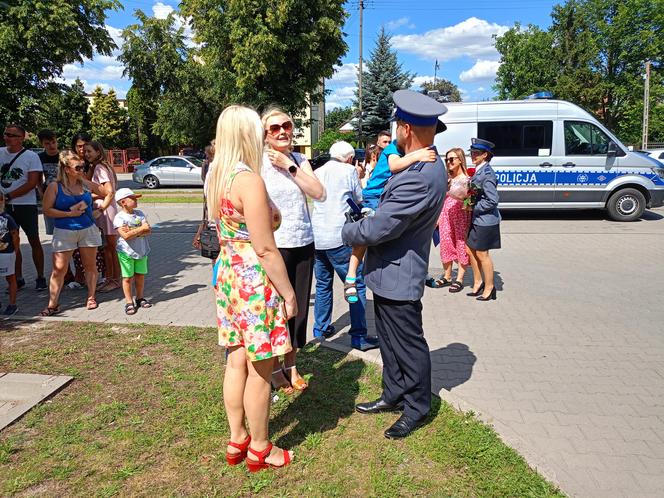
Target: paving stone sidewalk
x: 566, y: 364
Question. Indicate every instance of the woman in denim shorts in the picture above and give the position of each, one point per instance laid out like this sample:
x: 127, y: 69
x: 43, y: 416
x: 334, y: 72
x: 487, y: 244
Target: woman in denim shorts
x: 69, y: 201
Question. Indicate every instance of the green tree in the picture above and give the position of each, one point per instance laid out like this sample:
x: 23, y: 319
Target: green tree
x: 331, y: 136
x: 335, y: 118
x: 108, y: 121
x: 269, y: 51
x: 64, y: 109
x: 37, y: 39
x: 383, y: 77
x: 154, y: 53
x: 593, y: 54
x: 449, y: 92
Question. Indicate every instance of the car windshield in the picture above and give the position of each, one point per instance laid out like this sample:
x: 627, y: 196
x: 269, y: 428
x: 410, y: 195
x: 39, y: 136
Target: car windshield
x: 195, y: 160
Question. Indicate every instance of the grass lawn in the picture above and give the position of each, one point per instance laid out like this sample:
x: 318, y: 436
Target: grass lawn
x: 144, y: 416
x: 172, y: 196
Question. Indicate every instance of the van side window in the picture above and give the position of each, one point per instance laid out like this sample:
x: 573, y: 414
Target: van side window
x: 585, y: 139
x: 518, y: 138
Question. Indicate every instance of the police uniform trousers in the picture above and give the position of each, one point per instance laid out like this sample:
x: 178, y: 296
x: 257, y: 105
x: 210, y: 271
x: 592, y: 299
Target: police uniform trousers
x: 405, y: 354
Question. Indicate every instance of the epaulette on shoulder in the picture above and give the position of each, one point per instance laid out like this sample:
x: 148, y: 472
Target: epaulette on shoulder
x: 417, y: 167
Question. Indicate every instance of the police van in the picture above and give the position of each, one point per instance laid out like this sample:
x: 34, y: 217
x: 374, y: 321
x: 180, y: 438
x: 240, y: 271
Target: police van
x: 553, y: 154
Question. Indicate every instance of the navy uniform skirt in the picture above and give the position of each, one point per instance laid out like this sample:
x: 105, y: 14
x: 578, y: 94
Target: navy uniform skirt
x: 483, y: 238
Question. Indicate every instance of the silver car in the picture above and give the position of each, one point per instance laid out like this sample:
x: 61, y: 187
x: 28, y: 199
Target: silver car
x: 169, y: 170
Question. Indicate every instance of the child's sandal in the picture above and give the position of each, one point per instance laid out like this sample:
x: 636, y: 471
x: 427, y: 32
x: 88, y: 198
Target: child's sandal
x: 130, y: 309
x: 143, y: 303
x: 350, y: 292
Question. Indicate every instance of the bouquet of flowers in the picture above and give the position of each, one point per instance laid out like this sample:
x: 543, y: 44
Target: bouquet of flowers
x: 474, y: 193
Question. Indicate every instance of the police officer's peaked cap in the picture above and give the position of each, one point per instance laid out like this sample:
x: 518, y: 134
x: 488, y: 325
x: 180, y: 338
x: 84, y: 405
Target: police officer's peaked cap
x: 479, y: 144
x: 417, y: 109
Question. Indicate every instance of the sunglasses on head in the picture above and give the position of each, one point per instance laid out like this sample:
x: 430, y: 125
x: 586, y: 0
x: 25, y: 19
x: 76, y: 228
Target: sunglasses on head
x: 286, y: 125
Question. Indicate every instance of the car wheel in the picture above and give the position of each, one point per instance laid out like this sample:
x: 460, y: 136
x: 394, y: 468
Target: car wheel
x: 151, y: 182
x: 626, y: 204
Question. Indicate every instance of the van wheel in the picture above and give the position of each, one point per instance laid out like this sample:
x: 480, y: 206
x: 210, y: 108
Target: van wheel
x: 626, y: 204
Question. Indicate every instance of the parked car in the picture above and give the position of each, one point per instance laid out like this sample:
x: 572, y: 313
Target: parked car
x: 169, y: 170
x: 656, y: 154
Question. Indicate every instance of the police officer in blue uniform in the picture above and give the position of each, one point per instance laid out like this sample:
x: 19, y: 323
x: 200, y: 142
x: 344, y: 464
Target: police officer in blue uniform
x: 484, y: 233
x: 399, y: 240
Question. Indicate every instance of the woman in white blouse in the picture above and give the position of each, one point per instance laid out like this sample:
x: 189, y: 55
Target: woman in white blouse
x: 289, y: 180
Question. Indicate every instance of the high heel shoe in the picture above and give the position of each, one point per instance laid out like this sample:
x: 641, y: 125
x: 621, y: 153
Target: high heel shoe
x: 478, y: 292
x: 490, y: 297
x: 235, y: 458
x: 260, y: 463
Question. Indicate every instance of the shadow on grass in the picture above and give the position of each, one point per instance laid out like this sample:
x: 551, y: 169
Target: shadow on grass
x: 333, y: 390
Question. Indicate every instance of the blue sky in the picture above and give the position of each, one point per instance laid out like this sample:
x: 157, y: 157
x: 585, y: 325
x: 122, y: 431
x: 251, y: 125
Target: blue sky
x: 458, y: 34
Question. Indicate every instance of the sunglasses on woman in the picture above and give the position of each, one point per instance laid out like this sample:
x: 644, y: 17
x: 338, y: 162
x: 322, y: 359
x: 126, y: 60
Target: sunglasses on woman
x: 286, y: 126
x: 79, y: 168
x: 450, y: 159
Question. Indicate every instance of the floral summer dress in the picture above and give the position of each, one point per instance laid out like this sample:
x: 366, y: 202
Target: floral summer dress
x: 453, y: 223
x: 250, y: 311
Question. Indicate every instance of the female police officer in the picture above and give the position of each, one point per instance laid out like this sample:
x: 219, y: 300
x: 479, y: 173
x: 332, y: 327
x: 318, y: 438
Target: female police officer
x: 484, y: 233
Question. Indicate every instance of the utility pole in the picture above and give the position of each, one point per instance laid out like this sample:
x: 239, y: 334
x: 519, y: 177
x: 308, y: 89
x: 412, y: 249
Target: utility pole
x: 359, y: 93
x: 435, y: 73
x: 646, y: 108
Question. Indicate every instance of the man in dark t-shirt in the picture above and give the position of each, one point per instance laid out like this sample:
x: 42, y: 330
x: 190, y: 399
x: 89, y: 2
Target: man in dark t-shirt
x: 49, y: 159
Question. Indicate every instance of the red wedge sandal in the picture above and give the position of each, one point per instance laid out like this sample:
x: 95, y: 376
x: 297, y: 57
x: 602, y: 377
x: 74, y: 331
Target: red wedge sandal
x: 235, y: 458
x: 261, y: 464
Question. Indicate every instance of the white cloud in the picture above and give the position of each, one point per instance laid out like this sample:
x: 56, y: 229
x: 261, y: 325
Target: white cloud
x: 161, y: 10
x: 340, y: 97
x: 481, y: 71
x: 346, y: 73
x: 116, y: 34
x: 472, y: 38
x: 397, y: 23
x: 419, y: 80
x: 90, y: 86
x: 107, y: 72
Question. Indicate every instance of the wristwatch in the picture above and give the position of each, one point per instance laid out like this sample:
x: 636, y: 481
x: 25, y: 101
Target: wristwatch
x: 292, y: 169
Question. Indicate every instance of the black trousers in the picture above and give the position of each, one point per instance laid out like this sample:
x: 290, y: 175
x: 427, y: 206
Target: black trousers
x: 300, y: 267
x: 405, y: 354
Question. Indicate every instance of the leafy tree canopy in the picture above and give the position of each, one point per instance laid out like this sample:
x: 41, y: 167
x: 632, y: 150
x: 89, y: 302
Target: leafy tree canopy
x: 593, y: 54
x: 335, y: 118
x: 331, y: 136
x: 108, y: 121
x: 449, y: 92
x: 64, y: 109
x: 37, y: 38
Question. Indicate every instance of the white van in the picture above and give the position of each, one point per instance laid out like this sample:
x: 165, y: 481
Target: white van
x: 553, y: 154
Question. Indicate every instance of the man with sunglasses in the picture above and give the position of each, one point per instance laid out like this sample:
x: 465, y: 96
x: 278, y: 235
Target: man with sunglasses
x: 20, y: 174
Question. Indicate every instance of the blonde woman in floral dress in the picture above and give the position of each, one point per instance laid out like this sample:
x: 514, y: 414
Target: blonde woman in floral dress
x: 254, y: 297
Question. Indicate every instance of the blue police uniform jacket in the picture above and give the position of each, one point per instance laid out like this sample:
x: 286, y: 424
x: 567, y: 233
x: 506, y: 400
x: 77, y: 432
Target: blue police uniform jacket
x: 399, y: 233
x: 485, y: 211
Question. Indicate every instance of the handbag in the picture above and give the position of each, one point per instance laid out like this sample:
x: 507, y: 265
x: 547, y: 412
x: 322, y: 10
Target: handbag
x: 208, y: 237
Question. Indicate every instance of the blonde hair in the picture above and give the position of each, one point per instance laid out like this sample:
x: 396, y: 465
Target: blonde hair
x: 239, y: 139
x: 65, y: 160
x: 270, y: 113
x: 458, y: 152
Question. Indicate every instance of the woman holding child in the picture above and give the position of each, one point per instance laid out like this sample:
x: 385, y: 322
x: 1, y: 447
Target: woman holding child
x: 69, y: 201
x: 289, y: 180
x: 254, y: 296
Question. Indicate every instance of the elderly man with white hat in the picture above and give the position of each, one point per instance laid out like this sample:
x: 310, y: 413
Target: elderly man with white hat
x: 399, y: 240
x: 341, y: 182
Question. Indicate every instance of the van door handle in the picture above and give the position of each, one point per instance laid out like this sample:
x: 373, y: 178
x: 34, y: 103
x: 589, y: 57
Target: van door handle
x: 568, y: 165
x: 545, y: 165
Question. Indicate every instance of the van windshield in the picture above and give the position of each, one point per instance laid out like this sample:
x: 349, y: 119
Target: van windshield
x: 585, y: 139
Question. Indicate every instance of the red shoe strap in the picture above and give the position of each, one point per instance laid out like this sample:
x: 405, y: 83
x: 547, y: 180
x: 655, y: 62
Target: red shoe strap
x: 241, y: 446
x: 261, y: 455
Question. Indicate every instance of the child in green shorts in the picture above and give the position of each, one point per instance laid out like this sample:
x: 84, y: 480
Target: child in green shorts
x: 133, y: 248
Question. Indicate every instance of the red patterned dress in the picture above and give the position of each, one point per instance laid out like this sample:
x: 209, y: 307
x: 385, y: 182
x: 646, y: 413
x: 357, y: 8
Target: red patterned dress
x: 250, y: 311
x: 453, y: 223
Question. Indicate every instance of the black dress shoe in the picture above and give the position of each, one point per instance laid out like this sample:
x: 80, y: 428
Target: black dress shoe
x: 378, y: 406
x: 479, y: 291
x: 490, y: 297
x: 403, y: 427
